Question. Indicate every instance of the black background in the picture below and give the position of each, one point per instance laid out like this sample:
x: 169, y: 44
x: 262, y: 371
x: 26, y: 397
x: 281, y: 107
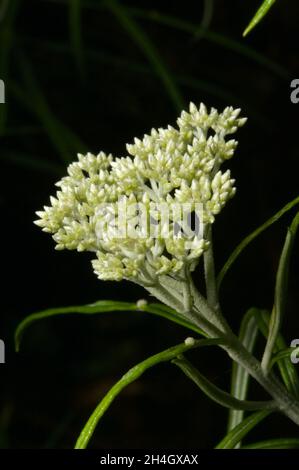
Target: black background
x: 65, y: 365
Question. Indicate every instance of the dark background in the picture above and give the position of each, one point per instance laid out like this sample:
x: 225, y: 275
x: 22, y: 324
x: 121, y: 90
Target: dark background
x: 92, y: 79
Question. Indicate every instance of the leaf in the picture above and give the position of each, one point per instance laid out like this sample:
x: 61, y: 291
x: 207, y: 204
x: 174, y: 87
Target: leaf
x: 239, y: 432
x: 208, y: 9
x: 283, y: 354
x: 206, y: 86
x: 287, y: 369
x: 215, y: 393
x: 75, y: 7
x: 240, y: 377
x: 63, y: 139
x: 281, y: 443
x: 212, y: 36
x: 103, y: 306
x: 259, y: 15
x: 280, y: 294
x: 150, y: 51
x: 132, y: 375
x: 252, y: 236
x: 192, y: 28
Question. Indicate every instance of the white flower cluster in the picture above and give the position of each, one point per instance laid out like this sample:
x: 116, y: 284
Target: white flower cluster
x: 172, y: 167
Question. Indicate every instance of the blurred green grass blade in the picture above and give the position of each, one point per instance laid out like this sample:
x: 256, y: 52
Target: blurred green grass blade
x: 216, y: 38
x: 102, y: 306
x: 150, y: 51
x: 251, y: 237
x: 72, y: 140
x: 213, y: 89
x: 132, y: 375
x: 280, y: 443
x: 259, y: 15
x: 208, y: 9
x: 57, y: 131
x: 287, y: 370
x: 8, y: 15
x: 27, y: 161
x: 215, y: 393
x: 63, y: 139
x: 75, y: 10
x: 192, y: 28
x: 23, y: 130
x: 45, y: 116
x: 116, y: 61
x: 240, y: 377
x: 239, y: 432
x: 281, y: 287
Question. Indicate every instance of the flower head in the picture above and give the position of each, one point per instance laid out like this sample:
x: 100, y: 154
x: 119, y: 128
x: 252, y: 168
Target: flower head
x: 134, y: 212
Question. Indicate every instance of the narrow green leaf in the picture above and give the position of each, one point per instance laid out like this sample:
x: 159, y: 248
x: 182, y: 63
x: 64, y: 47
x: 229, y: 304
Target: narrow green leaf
x: 104, y: 306
x: 280, y: 294
x: 215, y: 393
x: 192, y: 28
x: 259, y: 15
x: 287, y: 369
x: 206, y: 86
x: 75, y: 7
x: 240, y: 377
x: 150, y: 51
x: 281, y: 443
x: 208, y: 9
x: 132, y: 375
x: 213, y: 37
x: 284, y: 354
x: 239, y: 432
x: 63, y: 139
x: 252, y: 236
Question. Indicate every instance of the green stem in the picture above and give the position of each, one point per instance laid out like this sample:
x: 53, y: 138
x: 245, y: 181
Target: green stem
x: 215, y: 326
x: 201, y: 304
x: 210, y: 277
x: 286, y: 402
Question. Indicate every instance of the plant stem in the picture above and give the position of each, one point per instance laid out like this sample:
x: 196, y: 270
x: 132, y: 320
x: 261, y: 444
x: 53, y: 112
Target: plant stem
x: 286, y: 403
x: 214, y: 325
x: 210, y: 277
